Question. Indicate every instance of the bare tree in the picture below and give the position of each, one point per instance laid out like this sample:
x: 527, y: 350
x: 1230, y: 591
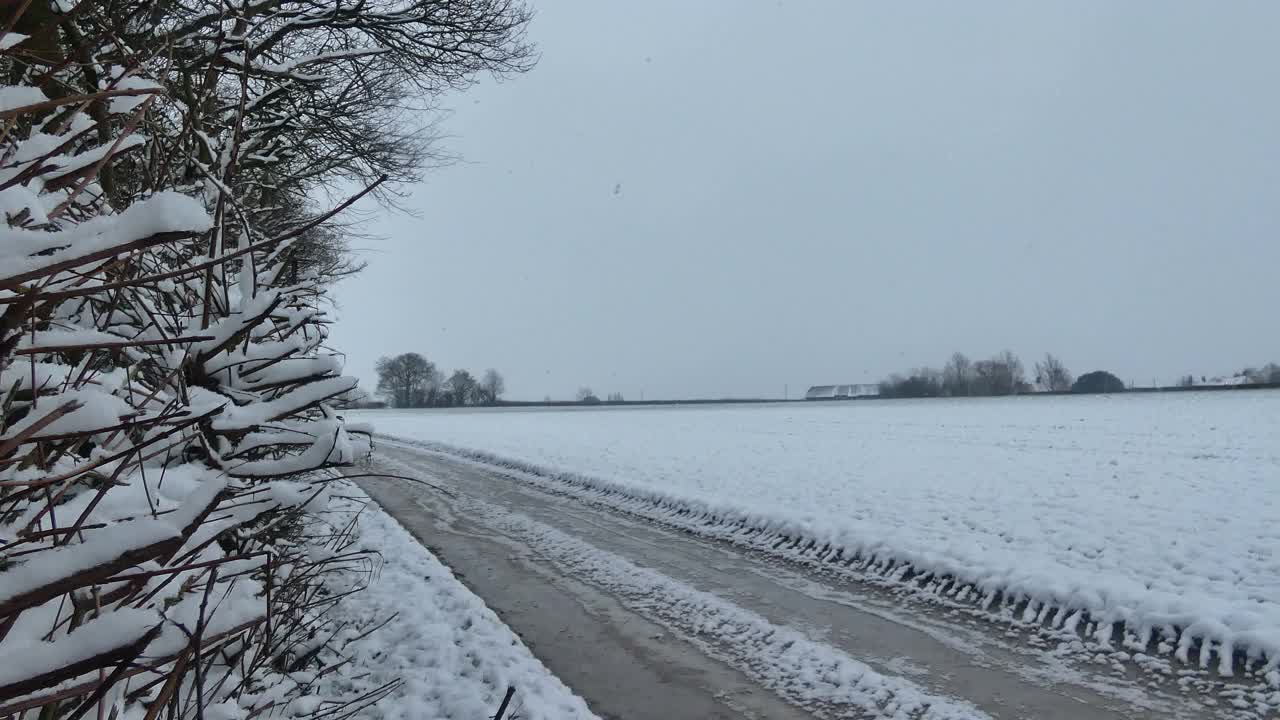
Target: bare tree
x: 404, y: 380
x: 493, y: 386
x: 1052, y: 375
x: 957, y: 375
x: 587, y: 395
x: 433, y: 387
x: 1001, y: 375
x: 1017, y: 377
x: 986, y: 377
x: 462, y: 387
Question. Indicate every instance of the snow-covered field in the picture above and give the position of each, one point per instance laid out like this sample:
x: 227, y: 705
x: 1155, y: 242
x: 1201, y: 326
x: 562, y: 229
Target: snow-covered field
x: 1155, y: 511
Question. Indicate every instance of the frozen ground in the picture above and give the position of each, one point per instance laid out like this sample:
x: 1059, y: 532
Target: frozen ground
x: 1151, y: 513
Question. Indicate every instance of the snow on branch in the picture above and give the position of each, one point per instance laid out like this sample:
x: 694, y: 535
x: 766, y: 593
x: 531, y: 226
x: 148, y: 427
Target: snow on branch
x: 161, y: 218
x: 107, y: 640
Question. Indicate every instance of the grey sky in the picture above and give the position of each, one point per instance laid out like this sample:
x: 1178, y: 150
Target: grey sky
x: 820, y: 192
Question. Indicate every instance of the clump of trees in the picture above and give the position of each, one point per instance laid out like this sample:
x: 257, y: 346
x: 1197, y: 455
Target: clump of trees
x: 587, y: 396
x: 409, y: 380
x: 1002, y: 374
x: 919, y: 383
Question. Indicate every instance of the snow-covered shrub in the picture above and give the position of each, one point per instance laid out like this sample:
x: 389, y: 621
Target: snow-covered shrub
x: 165, y: 388
x: 151, y: 414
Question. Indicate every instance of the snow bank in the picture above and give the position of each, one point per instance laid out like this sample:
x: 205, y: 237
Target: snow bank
x: 1146, y: 520
x: 455, y: 657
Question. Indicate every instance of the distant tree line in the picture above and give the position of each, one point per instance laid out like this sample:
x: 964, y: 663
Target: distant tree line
x: 409, y: 380
x: 587, y: 396
x: 1002, y: 374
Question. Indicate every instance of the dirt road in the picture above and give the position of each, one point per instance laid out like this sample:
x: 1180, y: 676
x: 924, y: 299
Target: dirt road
x: 649, y: 622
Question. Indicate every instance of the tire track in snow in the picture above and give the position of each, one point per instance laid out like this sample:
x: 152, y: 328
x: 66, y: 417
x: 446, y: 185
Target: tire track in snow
x: 819, y: 678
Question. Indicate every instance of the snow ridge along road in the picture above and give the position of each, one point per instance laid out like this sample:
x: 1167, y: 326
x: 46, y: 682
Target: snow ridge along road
x: 666, y: 625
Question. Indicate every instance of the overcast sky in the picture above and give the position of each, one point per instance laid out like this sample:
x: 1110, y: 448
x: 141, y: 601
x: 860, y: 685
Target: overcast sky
x: 697, y: 199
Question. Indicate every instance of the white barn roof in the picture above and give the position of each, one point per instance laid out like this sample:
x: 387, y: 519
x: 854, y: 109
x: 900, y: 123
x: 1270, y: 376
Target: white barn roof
x: 835, y: 392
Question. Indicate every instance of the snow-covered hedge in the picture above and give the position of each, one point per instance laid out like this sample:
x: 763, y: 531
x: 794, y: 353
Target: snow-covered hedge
x: 149, y: 425
x: 166, y: 395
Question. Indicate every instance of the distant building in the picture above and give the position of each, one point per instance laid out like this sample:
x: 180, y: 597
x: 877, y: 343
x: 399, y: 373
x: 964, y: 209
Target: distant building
x: 841, y: 392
